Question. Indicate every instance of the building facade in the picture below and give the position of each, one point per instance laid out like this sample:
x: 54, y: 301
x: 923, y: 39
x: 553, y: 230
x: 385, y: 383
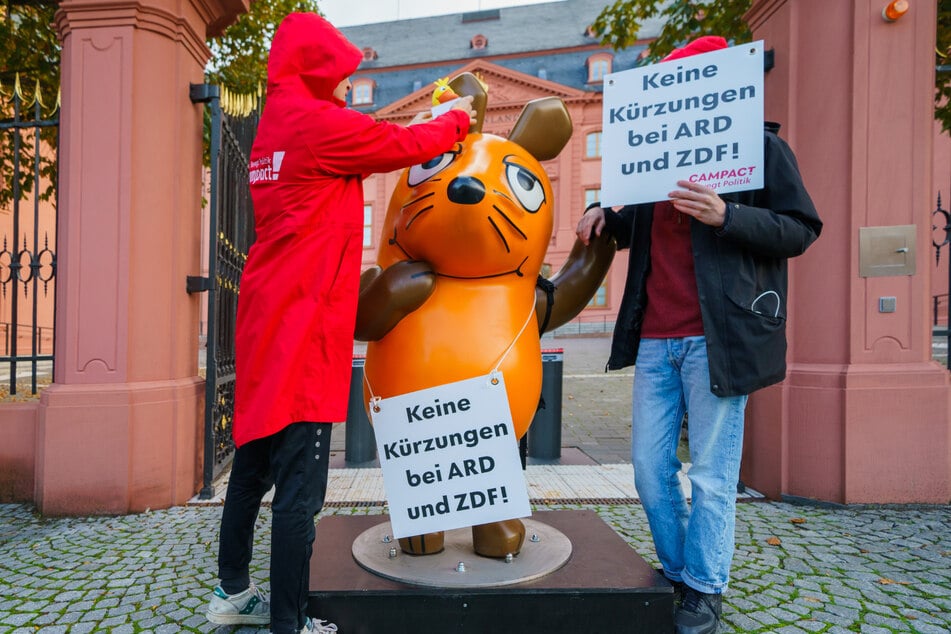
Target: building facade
x: 520, y: 53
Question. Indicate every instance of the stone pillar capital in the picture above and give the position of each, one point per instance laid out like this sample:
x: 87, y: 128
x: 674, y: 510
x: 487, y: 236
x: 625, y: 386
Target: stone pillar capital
x: 190, y: 23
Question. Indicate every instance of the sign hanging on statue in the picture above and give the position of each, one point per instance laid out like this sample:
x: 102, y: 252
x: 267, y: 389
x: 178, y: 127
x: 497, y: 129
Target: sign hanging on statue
x: 449, y: 457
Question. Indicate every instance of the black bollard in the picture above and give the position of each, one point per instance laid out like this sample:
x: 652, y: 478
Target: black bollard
x: 544, y: 434
x: 360, y: 440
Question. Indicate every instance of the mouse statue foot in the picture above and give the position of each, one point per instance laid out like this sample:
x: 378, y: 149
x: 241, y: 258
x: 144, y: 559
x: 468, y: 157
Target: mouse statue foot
x: 498, y: 539
x: 426, y: 544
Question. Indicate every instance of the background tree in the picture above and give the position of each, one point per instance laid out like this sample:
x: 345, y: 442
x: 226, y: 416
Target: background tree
x: 684, y: 20
x: 30, y: 51
x: 28, y: 43
x: 239, y: 56
x: 943, y: 63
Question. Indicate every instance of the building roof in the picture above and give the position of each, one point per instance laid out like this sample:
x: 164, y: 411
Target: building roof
x: 549, y: 41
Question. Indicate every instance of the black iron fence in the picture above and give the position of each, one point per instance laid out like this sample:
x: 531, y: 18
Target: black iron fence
x: 29, y: 137
x: 231, y: 232
x: 939, y: 310
x: 941, y: 237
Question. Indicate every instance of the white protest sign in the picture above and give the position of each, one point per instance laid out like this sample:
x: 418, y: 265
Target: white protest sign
x: 449, y: 457
x: 698, y: 118
x: 442, y: 108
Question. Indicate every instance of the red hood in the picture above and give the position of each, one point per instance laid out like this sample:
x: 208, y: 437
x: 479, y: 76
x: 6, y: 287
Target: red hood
x: 309, y: 54
x: 704, y: 44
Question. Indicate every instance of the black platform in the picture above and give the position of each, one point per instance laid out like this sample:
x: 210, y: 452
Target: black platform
x: 605, y: 587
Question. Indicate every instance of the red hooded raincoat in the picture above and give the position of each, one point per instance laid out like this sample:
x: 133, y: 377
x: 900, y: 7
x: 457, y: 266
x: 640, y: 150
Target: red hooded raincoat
x: 297, y: 307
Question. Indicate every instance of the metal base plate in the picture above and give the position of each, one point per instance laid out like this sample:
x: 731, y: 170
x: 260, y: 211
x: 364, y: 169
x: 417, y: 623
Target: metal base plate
x: 546, y: 549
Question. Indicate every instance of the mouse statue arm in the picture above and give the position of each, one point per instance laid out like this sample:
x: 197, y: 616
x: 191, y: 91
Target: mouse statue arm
x: 575, y: 283
x: 386, y: 296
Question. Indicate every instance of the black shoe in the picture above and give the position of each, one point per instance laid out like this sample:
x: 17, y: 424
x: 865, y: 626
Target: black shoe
x: 677, y: 585
x: 699, y: 613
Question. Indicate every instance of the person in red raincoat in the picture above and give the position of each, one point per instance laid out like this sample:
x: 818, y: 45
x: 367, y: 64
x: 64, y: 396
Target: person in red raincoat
x: 297, y: 307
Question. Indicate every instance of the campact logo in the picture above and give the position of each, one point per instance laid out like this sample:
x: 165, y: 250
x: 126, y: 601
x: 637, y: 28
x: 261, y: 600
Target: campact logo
x: 266, y: 168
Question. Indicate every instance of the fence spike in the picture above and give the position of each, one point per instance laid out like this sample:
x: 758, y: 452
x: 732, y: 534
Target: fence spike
x: 38, y: 95
x: 18, y: 91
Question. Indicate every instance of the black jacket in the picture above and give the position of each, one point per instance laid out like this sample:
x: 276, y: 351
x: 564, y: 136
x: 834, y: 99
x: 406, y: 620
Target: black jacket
x: 741, y: 274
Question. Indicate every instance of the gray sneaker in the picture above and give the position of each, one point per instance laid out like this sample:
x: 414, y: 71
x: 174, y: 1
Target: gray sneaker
x: 318, y: 626
x: 245, y: 608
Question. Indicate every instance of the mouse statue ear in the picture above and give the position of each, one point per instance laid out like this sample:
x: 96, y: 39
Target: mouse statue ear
x: 468, y: 84
x: 543, y: 128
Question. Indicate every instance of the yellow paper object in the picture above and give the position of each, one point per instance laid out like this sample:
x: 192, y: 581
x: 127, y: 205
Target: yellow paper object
x: 443, y: 92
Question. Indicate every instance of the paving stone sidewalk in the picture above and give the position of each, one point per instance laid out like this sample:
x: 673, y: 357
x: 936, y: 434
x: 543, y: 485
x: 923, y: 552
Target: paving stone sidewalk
x: 797, y: 568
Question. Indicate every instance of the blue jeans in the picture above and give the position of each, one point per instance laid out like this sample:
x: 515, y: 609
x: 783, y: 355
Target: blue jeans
x: 695, y: 543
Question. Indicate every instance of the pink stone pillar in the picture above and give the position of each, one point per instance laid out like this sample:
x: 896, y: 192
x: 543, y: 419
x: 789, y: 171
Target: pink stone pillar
x: 120, y: 429
x: 863, y: 416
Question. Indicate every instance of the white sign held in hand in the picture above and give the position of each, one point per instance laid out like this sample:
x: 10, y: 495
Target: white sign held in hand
x: 697, y: 118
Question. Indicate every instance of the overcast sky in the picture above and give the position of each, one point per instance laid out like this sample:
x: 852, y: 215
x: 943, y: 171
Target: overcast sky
x: 352, y: 12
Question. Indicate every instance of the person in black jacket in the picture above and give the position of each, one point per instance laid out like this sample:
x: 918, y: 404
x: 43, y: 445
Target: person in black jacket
x: 703, y: 317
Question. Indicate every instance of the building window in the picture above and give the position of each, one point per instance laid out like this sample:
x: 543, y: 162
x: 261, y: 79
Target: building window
x: 598, y: 66
x: 592, y: 196
x: 362, y: 92
x: 592, y: 145
x: 369, y: 54
x: 600, y: 299
x: 367, y: 225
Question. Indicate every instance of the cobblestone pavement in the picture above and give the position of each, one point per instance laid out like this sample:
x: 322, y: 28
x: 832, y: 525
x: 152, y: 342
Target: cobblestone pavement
x: 871, y: 569
x: 797, y: 569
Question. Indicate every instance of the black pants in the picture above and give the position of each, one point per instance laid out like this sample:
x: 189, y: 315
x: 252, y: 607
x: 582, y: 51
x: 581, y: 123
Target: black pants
x: 295, y: 462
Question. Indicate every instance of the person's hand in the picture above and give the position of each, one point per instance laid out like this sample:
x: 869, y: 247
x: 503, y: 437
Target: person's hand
x: 591, y: 224
x: 465, y: 104
x: 700, y: 202
x: 421, y: 117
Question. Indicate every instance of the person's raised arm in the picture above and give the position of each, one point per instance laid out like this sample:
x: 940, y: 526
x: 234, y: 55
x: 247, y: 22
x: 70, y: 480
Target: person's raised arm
x: 354, y: 143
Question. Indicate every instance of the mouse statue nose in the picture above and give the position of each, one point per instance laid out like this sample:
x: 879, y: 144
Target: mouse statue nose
x: 466, y: 190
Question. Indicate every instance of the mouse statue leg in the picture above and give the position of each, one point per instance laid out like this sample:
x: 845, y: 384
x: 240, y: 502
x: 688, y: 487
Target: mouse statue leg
x: 498, y: 539
x: 426, y: 544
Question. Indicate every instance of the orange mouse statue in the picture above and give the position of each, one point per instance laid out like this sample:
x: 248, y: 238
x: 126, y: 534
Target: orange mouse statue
x: 456, y: 291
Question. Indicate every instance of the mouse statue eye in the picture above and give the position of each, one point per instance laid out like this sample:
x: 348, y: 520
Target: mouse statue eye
x: 419, y: 173
x: 526, y: 186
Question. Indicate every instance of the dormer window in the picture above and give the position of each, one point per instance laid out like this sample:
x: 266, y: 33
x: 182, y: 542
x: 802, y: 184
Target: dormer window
x: 479, y: 42
x: 362, y: 92
x: 590, y: 32
x: 369, y: 54
x: 599, y: 65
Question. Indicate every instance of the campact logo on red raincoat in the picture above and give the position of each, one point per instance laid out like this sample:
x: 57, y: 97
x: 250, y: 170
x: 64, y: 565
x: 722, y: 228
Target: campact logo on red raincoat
x: 267, y: 168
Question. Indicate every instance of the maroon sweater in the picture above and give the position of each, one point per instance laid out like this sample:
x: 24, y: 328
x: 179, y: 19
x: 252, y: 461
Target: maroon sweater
x: 673, y: 307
